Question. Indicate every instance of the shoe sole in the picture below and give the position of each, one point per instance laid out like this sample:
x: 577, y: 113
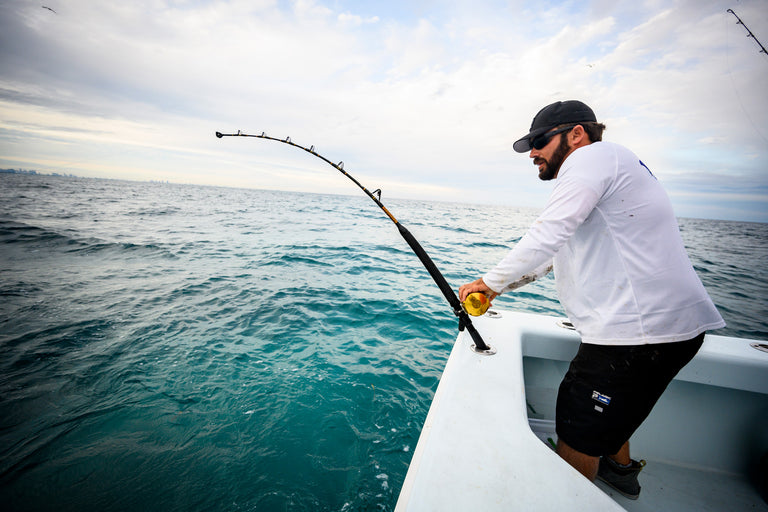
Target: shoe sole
x: 625, y: 494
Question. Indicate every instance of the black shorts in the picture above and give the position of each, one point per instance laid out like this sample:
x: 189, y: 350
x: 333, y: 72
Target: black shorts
x: 609, y: 390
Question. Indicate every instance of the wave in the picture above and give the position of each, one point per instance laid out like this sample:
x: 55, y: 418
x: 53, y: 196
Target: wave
x: 153, y: 211
x: 12, y: 232
x: 18, y: 234
x: 289, y: 260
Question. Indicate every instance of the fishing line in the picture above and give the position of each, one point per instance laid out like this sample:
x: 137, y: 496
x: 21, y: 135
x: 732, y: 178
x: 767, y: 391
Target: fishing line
x: 464, y: 321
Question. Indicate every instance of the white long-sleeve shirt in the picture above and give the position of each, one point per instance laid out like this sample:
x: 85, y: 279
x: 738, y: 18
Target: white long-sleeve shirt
x: 621, y: 269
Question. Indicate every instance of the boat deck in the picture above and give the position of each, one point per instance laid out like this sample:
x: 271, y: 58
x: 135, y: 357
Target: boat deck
x: 669, y: 486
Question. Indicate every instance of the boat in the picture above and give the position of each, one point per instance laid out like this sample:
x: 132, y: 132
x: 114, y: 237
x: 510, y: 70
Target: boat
x: 487, y: 441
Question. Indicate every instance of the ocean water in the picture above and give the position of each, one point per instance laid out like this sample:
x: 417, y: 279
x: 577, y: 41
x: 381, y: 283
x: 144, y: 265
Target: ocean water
x: 185, y: 348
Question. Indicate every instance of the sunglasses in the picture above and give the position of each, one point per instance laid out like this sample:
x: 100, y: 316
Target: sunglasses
x: 543, y: 139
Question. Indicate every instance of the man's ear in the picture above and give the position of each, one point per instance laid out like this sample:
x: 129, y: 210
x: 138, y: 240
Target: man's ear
x: 578, y: 136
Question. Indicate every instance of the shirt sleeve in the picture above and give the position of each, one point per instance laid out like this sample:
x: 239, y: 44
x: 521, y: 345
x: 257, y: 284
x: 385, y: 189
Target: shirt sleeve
x: 572, y: 200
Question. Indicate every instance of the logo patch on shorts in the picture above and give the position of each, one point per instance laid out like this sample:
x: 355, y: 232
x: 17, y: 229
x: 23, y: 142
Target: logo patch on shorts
x: 603, y: 399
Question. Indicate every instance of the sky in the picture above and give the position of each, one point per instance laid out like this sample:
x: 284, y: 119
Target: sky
x: 419, y: 98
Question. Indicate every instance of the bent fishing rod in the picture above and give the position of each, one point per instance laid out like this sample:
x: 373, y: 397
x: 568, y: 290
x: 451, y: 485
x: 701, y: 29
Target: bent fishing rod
x: 450, y: 295
x: 749, y: 32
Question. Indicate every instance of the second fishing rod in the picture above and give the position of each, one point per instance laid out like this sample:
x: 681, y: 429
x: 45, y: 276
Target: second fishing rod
x: 458, y: 309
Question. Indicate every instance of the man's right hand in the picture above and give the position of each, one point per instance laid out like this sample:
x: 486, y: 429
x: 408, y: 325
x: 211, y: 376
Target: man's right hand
x: 476, y: 286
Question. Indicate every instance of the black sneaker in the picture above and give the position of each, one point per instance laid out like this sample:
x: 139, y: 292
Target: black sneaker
x: 622, y: 479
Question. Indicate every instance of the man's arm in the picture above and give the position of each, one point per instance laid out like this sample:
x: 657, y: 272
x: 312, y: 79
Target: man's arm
x: 480, y: 286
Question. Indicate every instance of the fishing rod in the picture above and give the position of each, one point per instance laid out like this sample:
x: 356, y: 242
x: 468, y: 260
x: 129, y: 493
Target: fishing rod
x: 749, y: 32
x: 464, y: 320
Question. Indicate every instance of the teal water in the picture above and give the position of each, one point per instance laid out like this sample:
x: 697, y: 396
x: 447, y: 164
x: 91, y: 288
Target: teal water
x: 185, y: 348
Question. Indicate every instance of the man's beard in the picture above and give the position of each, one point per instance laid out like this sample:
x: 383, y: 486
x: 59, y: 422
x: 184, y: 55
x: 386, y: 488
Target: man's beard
x: 552, y: 166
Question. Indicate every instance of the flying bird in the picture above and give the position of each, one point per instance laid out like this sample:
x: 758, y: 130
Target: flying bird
x: 46, y: 7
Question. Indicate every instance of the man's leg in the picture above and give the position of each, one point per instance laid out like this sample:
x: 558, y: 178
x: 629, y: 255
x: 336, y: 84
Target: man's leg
x: 585, y: 464
x: 622, y: 456
x: 622, y: 479
x: 620, y: 472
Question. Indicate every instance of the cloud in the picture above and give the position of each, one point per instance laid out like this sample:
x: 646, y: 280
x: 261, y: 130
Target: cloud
x: 421, y: 97
x: 347, y: 18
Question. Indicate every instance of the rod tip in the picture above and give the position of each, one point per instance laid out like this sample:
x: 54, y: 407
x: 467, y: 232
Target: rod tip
x: 219, y: 135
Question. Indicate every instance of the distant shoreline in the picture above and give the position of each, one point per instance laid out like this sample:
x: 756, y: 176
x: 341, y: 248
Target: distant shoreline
x: 36, y: 173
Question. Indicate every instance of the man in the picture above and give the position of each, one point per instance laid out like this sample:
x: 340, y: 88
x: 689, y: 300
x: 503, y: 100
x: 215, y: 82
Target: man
x: 623, y: 278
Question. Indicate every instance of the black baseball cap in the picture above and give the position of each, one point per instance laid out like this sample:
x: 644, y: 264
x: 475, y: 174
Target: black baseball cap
x: 561, y: 112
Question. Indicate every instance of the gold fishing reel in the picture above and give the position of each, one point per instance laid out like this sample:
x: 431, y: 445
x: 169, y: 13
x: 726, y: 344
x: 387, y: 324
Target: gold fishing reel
x: 476, y: 304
